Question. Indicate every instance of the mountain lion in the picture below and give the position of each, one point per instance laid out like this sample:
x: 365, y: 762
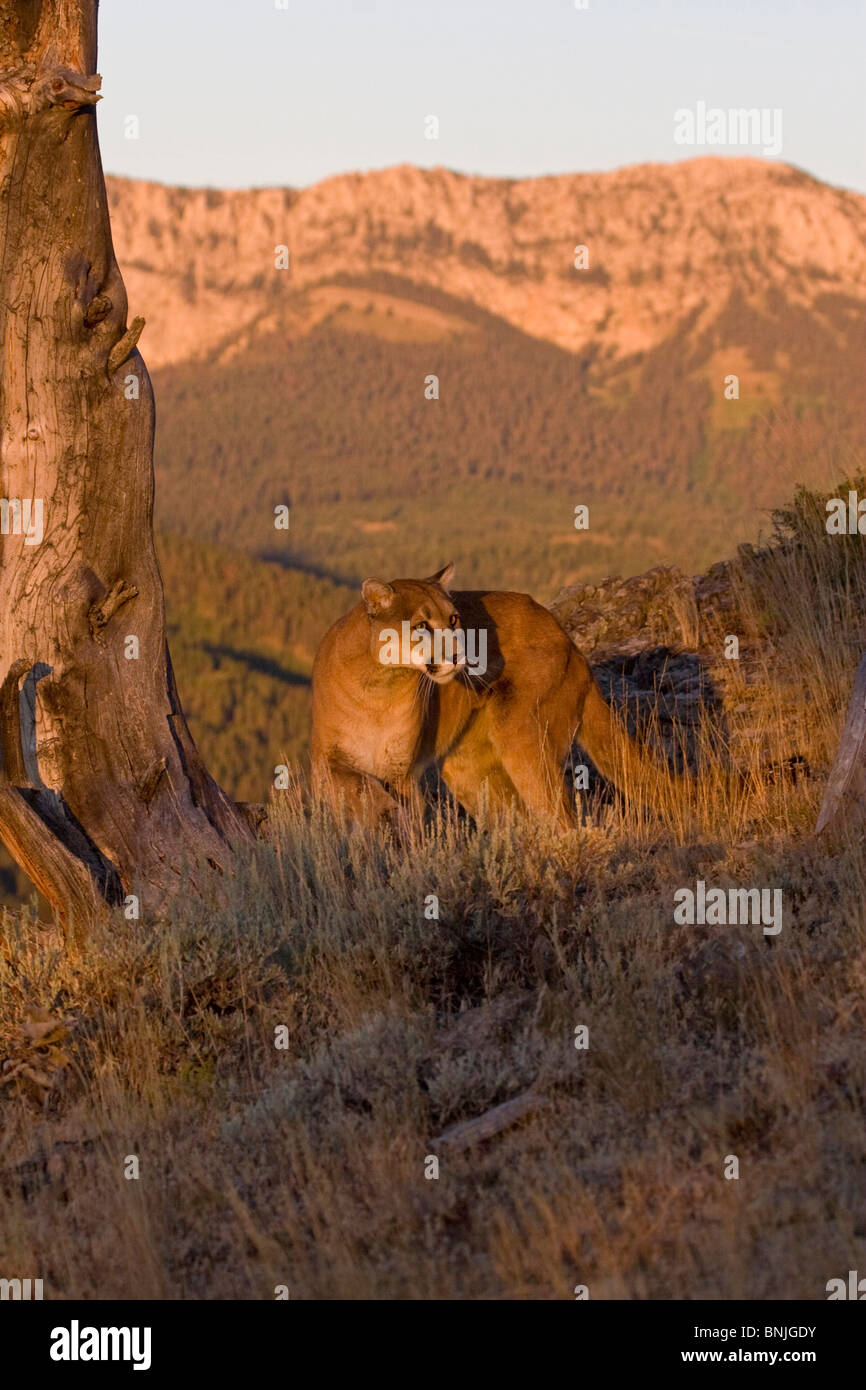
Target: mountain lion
x: 395, y: 693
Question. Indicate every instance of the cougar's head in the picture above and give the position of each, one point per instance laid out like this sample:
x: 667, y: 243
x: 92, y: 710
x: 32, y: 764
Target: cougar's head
x: 414, y: 625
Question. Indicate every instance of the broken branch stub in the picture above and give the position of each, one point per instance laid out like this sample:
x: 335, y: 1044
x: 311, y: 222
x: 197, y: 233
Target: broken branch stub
x: 844, y: 805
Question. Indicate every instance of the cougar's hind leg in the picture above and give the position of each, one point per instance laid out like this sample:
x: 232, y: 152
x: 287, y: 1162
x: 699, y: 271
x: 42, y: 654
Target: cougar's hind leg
x: 534, y: 762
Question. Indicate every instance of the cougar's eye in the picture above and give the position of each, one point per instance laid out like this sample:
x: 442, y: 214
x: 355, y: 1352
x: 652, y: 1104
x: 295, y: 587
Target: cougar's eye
x: 452, y: 621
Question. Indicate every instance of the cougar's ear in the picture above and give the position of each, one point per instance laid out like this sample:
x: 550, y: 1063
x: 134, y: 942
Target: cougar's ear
x: 377, y: 596
x: 444, y: 577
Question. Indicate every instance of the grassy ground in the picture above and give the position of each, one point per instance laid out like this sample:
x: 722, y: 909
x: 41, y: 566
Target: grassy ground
x: 304, y: 1165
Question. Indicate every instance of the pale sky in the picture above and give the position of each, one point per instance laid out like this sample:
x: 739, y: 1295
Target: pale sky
x: 240, y: 93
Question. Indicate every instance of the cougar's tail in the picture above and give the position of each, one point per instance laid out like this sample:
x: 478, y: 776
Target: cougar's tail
x: 631, y: 768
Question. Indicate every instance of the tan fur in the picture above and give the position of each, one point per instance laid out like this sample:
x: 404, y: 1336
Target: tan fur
x: 377, y: 728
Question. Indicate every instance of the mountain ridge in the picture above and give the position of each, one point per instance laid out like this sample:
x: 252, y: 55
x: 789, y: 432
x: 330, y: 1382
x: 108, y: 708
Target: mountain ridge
x: 666, y: 244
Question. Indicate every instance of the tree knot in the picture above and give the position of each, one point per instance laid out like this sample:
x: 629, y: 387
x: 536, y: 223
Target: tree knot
x: 103, y: 611
x: 98, y: 309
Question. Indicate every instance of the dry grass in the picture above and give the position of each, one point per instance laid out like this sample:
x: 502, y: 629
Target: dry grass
x: 305, y: 1167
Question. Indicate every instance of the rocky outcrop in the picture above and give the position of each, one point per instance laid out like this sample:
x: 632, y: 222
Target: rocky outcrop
x: 663, y: 607
x: 657, y: 641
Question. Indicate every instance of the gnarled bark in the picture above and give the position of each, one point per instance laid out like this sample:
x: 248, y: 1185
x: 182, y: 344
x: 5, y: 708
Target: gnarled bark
x: 102, y: 791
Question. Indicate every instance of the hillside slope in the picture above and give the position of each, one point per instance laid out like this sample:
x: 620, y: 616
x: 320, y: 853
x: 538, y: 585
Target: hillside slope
x: 557, y: 386
x: 336, y: 422
x: 604, y: 1164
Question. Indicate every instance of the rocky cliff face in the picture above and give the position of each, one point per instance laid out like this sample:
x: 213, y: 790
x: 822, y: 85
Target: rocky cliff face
x: 667, y: 245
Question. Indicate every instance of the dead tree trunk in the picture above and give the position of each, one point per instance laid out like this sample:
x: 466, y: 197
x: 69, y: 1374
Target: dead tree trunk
x: 102, y: 791
x: 844, y: 804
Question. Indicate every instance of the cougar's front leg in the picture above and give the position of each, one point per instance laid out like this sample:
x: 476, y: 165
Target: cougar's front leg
x: 363, y: 798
